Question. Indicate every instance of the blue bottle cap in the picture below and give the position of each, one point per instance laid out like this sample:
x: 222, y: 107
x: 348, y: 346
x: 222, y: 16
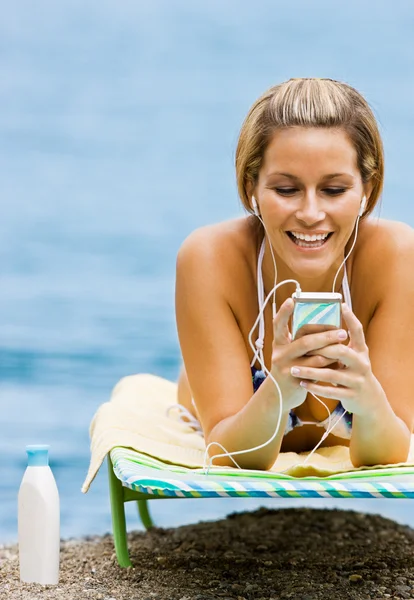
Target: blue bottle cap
x: 38, y: 455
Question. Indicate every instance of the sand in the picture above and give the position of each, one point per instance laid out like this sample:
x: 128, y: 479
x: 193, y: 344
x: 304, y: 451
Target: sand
x: 305, y: 554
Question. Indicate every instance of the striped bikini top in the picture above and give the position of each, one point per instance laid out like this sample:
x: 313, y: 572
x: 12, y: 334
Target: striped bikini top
x: 343, y: 429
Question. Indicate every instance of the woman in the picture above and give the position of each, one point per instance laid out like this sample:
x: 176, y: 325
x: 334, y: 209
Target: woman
x: 309, y: 161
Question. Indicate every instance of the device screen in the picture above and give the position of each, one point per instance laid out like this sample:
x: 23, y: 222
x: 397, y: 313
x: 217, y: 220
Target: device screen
x: 313, y: 317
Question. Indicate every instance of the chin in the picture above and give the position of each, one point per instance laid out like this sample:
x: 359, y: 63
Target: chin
x: 309, y: 269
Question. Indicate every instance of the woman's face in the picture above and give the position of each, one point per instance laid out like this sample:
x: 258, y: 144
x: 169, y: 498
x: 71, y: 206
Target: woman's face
x: 310, y: 185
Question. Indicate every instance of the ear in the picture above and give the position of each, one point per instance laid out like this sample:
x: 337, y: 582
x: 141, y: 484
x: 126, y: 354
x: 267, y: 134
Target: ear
x: 250, y: 191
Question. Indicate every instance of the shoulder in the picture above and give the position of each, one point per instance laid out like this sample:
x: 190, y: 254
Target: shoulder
x: 387, y: 235
x: 384, y: 242
x: 385, y: 256
x: 221, y: 246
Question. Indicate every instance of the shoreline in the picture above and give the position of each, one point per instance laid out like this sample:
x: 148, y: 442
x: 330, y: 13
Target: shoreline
x: 304, y: 554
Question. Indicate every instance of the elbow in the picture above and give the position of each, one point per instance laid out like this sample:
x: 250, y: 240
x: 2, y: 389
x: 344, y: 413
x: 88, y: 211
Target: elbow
x: 227, y: 447
x: 228, y: 455
x: 389, y: 446
x: 249, y: 463
x: 370, y: 458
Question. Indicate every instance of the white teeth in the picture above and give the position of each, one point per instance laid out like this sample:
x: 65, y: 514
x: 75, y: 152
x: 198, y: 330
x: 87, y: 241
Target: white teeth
x: 315, y: 244
x: 309, y: 241
x: 309, y: 238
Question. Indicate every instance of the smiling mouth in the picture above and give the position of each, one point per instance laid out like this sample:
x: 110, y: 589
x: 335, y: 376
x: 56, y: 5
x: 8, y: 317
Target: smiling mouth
x: 309, y: 241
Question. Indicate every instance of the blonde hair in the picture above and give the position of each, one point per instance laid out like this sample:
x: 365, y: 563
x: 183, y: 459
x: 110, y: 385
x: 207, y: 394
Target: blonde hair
x: 310, y: 103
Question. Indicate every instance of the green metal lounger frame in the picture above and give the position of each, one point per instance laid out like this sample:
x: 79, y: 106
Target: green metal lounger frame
x: 137, y: 477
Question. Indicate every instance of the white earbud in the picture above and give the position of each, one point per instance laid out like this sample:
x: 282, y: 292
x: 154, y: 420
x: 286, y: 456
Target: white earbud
x: 362, y: 207
x: 255, y: 207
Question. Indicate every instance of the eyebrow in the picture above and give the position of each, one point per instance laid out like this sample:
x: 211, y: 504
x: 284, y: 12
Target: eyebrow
x: 324, y: 178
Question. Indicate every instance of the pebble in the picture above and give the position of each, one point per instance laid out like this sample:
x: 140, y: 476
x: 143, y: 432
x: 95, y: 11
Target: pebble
x: 325, y: 555
x: 402, y: 588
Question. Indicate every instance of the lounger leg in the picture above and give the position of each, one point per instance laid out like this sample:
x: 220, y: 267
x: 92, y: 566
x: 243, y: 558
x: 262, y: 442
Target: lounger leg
x: 118, y: 518
x: 145, y: 514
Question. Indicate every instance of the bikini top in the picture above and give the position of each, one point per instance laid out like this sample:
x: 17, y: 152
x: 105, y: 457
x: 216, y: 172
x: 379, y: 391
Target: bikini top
x: 344, y: 426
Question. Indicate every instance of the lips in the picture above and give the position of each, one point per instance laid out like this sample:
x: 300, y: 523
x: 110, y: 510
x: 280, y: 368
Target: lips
x: 309, y: 244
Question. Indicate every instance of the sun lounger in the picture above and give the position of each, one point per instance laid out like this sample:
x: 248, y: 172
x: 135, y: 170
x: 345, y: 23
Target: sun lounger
x: 154, y: 454
x: 134, y: 476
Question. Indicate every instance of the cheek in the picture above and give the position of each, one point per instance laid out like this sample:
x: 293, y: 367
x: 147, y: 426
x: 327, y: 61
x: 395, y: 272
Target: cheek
x: 348, y: 222
x: 276, y: 210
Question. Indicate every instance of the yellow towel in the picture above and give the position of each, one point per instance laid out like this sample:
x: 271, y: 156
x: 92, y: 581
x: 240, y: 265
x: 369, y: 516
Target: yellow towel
x: 136, y: 417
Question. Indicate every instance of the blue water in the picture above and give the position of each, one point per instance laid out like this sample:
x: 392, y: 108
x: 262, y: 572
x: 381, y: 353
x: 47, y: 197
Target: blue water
x: 118, y: 125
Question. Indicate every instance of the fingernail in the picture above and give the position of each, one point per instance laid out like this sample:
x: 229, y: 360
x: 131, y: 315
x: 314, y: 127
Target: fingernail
x: 304, y: 384
x: 295, y: 370
x: 342, y: 334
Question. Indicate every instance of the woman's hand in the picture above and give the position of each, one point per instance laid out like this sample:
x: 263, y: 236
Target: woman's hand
x: 298, y: 353
x: 353, y: 383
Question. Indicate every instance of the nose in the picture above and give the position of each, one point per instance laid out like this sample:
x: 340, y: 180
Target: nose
x: 310, y: 211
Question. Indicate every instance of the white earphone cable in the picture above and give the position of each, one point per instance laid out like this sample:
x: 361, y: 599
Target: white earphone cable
x: 349, y: 253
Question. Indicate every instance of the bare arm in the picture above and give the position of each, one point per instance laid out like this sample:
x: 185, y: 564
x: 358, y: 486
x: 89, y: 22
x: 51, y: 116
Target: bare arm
x: 216, y: 360
x: 183, y: 390
x: 383, y: 435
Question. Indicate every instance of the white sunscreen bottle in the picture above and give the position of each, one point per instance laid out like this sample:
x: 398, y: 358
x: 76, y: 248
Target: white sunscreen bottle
x: 39, y: 520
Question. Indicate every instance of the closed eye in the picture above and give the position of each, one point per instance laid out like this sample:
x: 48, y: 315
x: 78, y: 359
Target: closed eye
x: 334, y: 191
x: 290, y: 191
x: 286, y: 191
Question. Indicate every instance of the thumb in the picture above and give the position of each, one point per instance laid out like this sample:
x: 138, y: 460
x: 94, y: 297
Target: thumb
x: 281, y: 333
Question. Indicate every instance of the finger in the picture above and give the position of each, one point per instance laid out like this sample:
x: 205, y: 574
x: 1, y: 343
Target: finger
x: 326, y: 375
x: 310, y: 328
x: 316, y: 341
x: 281, y: 333
x: 318, y: 362
x: 341, y: 353
x: 346, y: 358
x: 331, y: 393
x: 320, y: 352
x: 355, y: 328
